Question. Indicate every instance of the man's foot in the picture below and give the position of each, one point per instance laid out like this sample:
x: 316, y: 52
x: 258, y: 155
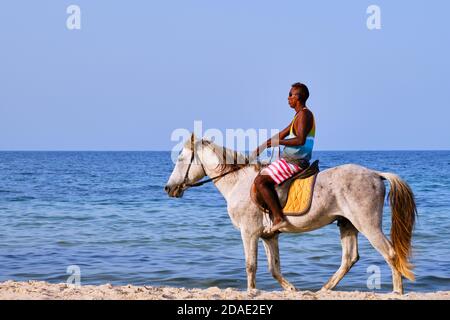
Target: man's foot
x: 267, y: 233
x: 278, y: 224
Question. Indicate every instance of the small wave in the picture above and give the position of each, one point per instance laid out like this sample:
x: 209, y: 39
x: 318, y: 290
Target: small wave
x: 64, y: 243
x: 434, y: 279
x: 7, y: 191
x: 22, y: 199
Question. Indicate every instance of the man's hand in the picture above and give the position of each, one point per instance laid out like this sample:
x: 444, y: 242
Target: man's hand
x: 253, y: 156
x: 258, y: 151
x: 274, y: 141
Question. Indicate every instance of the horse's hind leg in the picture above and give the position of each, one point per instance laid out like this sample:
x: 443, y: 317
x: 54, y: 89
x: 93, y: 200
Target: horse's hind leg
x: 385, y: 248
x: 349, y: 241
x: 273, y: 261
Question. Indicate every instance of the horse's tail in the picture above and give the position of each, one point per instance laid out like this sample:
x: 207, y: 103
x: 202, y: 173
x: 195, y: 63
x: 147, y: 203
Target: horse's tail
x: 404, y: 211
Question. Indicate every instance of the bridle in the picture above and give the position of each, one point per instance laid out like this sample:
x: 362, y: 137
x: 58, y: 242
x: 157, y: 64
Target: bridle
x: 185, y: 183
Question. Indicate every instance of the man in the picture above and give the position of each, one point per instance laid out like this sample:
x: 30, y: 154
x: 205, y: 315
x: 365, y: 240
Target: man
x: 298, y: 139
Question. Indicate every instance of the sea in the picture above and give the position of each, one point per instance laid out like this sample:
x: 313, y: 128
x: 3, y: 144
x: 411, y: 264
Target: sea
x: 104, y: 217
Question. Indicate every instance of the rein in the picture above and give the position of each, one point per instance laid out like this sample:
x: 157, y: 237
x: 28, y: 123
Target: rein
x: 200, y: 183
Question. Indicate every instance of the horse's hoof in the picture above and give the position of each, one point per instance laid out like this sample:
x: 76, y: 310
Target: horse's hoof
x: 290, y: 288
x: 253, y: 292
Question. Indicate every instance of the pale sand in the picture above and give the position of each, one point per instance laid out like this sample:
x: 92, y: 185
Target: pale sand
x: 43, y: 290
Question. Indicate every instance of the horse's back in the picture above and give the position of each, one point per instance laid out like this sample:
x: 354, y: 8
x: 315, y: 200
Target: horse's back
x: 351, y: 175
x: 353, y: 183
x: 349, y: 168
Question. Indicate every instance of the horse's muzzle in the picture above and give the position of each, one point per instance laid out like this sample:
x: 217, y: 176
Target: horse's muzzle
x: 174, y: 191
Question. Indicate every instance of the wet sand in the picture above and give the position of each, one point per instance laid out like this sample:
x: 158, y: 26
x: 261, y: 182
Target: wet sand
x: 11, y: 290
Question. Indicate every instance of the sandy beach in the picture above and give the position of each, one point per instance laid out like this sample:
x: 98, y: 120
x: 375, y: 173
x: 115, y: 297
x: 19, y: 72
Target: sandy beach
x: 11, y: 290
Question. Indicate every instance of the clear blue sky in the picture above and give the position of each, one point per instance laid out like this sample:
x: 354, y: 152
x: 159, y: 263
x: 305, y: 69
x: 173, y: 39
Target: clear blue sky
x: 137, y: 70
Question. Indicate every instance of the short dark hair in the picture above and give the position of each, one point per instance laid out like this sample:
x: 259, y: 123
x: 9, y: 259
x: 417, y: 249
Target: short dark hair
x: 303, y: 92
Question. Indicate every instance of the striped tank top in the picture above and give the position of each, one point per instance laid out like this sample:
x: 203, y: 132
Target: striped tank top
x: 300, y: 152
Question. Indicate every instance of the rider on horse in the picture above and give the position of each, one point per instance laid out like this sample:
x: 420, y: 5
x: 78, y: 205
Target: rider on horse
x: 298, y: 139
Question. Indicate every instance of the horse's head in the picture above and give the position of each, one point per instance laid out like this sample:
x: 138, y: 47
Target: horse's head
x: 188, y: 169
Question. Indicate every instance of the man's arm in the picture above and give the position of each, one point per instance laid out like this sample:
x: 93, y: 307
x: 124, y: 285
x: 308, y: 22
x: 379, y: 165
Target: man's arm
x: 272, y: 141
x: 303, y: 124
x: 279, y: 136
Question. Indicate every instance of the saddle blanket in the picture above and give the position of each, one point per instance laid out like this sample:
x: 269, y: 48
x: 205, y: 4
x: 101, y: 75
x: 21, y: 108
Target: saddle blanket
x: 300, y: 196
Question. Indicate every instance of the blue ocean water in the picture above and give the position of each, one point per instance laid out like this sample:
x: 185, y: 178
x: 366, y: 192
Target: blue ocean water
x: 107, y: 213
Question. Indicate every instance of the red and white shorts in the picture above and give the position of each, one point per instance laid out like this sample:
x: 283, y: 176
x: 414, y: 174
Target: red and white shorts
x: 281, y: 170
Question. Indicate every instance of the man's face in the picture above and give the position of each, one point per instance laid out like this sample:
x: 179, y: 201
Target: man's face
x: 293, y: 97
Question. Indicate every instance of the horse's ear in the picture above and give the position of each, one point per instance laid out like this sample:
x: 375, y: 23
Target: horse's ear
x: 207, y: 140
x: 193, y: 138
x: 191, y: 141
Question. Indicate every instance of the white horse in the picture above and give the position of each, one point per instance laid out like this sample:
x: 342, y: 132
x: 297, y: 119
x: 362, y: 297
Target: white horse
x: 351, y: 194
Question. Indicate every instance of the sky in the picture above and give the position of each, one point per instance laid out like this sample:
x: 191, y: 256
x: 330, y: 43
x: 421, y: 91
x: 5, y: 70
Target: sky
x: 137, y: 71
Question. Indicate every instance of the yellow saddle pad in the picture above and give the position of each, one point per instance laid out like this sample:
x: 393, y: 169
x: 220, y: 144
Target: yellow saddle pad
x: 300, y: 196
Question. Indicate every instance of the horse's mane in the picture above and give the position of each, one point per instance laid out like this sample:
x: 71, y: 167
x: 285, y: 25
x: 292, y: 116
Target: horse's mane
x: 229, y: 160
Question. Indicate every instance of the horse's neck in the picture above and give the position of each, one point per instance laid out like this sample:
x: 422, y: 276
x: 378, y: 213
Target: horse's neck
x: 224, y: 184
x: 232, y: 186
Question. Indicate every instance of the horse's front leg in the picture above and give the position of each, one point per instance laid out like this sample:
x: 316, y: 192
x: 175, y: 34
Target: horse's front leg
x: 250, y: 241
x: 273, y: 261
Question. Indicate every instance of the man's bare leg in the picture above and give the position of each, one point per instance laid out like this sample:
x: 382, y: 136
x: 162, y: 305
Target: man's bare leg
x: 266, y: 187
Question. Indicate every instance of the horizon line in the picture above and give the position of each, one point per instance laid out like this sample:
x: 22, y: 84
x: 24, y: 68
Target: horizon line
x: 137, y: 150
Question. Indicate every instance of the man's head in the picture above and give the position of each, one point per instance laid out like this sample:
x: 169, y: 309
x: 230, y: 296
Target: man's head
x: 299, y: 93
